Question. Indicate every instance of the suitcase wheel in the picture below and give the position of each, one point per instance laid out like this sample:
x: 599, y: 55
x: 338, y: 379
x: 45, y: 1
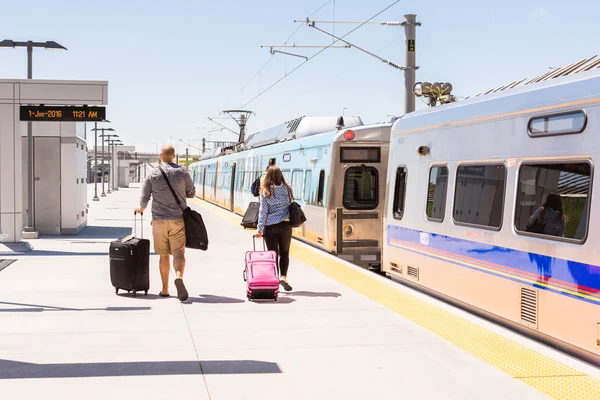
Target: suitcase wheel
x: 134, y: 294
x: 145, y: 293
x: 116, y: 290
x: 275, y: 298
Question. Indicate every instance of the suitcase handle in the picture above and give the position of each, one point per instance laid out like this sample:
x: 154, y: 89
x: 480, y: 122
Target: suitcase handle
x: 141, y: 224
x: 254, y: 243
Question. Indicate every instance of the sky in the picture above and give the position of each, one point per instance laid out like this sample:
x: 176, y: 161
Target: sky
x: 172, y: 64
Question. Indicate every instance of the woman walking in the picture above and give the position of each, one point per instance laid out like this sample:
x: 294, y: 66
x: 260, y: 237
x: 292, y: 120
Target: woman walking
x: 274, y: 219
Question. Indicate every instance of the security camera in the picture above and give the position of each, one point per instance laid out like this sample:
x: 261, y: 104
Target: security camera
x: 422, y: 150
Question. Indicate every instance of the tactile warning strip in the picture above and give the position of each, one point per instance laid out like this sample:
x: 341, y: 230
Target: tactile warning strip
x: 539, y: 371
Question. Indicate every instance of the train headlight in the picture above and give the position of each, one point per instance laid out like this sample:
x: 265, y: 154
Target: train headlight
x: 417, y: 89
x: 348, y: 229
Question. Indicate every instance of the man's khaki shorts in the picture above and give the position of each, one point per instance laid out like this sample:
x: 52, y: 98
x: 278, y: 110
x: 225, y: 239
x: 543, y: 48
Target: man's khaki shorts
x: 169, y: 236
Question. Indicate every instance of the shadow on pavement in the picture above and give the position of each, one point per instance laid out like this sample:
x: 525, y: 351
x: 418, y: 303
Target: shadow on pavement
x: 39, y: 308
x: 312, y: 294
x: 10, y: 369
x: 210, y: 299
x: 100, y: 232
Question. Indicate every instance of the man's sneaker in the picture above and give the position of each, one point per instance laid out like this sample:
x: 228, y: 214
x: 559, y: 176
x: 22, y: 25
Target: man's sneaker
x: 182, y: 293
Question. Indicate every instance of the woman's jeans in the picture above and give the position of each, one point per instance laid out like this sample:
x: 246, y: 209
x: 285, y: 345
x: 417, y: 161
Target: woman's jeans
x: 278, y: 238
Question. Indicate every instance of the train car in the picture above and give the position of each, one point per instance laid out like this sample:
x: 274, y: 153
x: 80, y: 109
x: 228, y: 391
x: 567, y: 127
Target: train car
x: 336, y: 168
x: 466, y: 180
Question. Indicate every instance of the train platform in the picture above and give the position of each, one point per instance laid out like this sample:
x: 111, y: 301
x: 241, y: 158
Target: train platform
x: 342, y: 333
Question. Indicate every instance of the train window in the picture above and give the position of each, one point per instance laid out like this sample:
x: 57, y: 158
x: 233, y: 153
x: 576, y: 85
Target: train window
x: 553, y: 200
x: 321, y: 190
x: 297, y: 184
x: 361, y: 188
x: 479, y: 195
x: 286, y: 157
x: 400, y: 192
x: 557, y: 124
x: 287, y: 175
x: 307, y: 181
x: 436, y: 193
x: 238, y: 179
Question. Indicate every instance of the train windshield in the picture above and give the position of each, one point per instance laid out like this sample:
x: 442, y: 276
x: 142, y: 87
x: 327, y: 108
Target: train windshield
x: 361, y: 188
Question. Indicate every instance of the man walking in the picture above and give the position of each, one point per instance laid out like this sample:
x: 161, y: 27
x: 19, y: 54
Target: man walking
x: 168, y: 228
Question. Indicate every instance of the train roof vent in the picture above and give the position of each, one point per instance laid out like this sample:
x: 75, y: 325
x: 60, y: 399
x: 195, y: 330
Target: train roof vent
x: 583, y: 65
x: 268, y: 136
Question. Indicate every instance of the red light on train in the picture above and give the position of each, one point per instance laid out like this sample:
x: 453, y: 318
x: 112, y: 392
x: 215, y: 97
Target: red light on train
x: 349, y: 135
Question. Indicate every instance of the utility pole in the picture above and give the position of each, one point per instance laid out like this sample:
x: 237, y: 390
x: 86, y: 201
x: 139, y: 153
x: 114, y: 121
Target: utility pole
x: 243, y: 119
x: 187, y: 164
x: 409, y: 69
x: 410, y: 30
x: 95, y: 174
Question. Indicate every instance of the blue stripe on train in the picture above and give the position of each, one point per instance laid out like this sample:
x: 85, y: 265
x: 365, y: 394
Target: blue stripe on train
x: 581, y: 275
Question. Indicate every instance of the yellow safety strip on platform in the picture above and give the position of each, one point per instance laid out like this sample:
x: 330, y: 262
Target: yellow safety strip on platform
x: 549, y: 376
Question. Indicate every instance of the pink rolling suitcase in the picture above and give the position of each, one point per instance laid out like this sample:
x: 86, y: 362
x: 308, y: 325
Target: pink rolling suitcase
x: 261, y: 274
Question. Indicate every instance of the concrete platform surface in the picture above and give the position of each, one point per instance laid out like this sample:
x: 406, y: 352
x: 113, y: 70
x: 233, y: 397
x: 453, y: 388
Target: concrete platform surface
x: 64, y: 334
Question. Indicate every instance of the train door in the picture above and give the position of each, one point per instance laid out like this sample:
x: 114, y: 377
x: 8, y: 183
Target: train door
x: 232, y: 188
x: 360, y: 203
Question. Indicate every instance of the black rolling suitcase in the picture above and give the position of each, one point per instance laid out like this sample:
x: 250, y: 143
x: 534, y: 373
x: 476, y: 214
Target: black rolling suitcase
x: 250, y: 219
x: 130, y: 262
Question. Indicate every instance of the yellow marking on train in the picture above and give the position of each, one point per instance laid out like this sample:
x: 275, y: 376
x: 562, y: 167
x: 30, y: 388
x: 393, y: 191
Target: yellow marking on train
x: 498, y: 116
x: 543, y: 373
x: 508, y: 275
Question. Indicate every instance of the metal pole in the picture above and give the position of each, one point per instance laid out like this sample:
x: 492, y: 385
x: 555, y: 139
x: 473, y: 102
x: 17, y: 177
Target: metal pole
x: 242, y: 127
x: 115, y: 153
x: 203, y: 146
x: 30, y: 178
x: 110, y: 171
x: 96, y: 198
x: 118, y: 172
x: 410, y: 30
x: 102, y: 167
x: 187, y: 163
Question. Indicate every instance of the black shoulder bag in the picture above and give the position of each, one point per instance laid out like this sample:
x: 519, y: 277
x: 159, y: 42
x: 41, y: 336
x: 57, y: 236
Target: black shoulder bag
x: 297, y: 217
x: 196, y: 236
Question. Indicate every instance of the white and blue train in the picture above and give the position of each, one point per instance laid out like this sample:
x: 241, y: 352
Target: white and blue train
x: 336, y: 168
x: 441, y: 200
x: 464, y: 180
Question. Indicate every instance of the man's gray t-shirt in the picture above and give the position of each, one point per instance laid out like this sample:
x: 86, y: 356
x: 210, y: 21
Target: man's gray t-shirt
x: 164, y: 205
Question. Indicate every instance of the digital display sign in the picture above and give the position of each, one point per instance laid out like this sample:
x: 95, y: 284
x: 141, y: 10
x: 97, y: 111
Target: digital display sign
x: 63, y: 113
x: 360, y: 154
x: 411, y: 45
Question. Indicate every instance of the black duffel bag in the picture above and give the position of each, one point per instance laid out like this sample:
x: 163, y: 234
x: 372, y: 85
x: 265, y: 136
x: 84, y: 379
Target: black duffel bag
x: 297, y: 217
x: 196, y: 236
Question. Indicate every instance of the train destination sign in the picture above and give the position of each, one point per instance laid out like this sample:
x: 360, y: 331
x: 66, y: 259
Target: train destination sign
x: 63, y: 113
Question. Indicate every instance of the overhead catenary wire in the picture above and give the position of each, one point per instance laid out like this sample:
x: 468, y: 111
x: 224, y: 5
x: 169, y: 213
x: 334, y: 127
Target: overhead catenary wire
x: 319, y: 52
x: 273, y: 55
x: 394, y: 65
x: 346, y: 69
x: 387, y: 23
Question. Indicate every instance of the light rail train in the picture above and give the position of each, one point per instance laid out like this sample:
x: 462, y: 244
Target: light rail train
x: 464, y: 180
x: 441, y: 201
x: 336, y: 167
